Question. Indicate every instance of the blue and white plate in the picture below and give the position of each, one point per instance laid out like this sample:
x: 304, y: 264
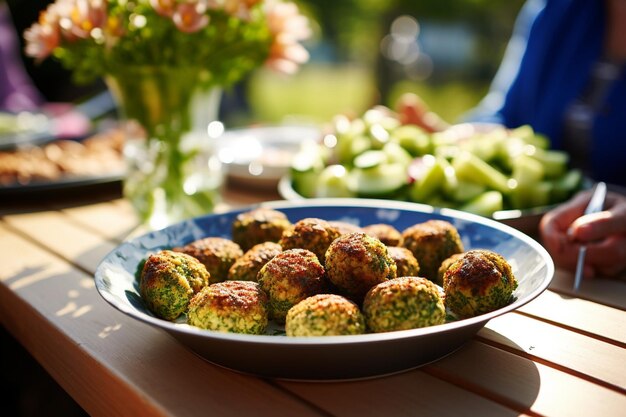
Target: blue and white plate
x: 330, y: 357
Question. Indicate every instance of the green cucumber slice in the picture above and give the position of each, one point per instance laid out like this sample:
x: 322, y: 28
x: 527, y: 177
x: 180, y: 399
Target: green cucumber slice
x: 333, y: 182
x: 485, y: 204
x: 469, y: 167
x: 432, y: 179
x: 370, y: 159
x: 383, y: 181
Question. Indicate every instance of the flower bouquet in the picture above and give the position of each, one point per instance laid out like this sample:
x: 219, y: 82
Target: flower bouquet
x: 166, y: 62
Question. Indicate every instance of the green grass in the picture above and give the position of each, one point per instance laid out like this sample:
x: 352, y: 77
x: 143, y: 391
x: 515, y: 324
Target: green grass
x: 314, y: 94
x: 450, y: 100
x: 318, y: 92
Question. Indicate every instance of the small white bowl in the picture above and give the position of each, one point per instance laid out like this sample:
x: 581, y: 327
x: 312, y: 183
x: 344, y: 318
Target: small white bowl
x: 262, y: 155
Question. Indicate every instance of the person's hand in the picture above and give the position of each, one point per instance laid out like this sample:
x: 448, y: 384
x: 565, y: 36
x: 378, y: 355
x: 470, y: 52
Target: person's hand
x: 565, y: 228
x: 411, y: 109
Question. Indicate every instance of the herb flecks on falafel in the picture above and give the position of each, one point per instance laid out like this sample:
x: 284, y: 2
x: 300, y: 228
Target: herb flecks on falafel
x: 230, y: 306
x: 403, y: 303
x: 432, y: 242
x: 324, y: 315
x: 259, y: 225
x: 478, y: 282
x: 290, y: 277
x: 168, y: 281
x: 356, y: 262
x: 216, y: 254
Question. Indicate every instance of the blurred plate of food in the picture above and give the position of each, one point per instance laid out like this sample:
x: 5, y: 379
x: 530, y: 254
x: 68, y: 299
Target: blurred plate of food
x: 63, y: 164
x: 54, y: 121
x: 507, y: 174
x: 134, y: 278
x: 24, y: 128
x: 262, y: 155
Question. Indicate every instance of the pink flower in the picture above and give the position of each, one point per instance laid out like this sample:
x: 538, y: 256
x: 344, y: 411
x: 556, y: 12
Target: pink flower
x: 84, y: 16
x: 287, y: 27
x: 164, y: 7
x: 237, y: 8
x: 286, y: 57
x: 41, y: 39
x: 91, y: 36
x: 190, y: 16
x: 285, y: 18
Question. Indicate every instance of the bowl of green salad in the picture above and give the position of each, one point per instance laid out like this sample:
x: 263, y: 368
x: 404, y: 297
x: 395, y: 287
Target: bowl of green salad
x: 511, y: 175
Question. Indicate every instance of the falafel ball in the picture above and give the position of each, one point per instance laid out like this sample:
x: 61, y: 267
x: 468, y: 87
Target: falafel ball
x: 403, y: 303
x: 344, y: 227
x: 324, y: 315
x: 247, y: 267
x: 259, y: 225
x: 444, y: 267
x: 356, y: 262
x: 406, y: 264
x: 216, y: 254
x: 431, y: 243
x: 312, y: 234
x: 169, y: 280
x: 230, y: 306
x: 290, y: 277
x: 478, y: 282
x: 386, y: 233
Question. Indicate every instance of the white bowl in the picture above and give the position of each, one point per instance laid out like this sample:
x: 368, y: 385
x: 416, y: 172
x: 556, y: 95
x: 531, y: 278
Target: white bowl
x: 262, y: 155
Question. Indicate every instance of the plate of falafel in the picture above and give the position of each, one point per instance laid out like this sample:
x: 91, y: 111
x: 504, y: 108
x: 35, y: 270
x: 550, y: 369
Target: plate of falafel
x: 327, y: 289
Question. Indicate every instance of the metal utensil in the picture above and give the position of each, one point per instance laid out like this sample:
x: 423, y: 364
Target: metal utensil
x: 595, y: 205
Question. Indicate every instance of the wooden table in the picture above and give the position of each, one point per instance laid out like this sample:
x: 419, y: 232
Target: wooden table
x: 563, y: 354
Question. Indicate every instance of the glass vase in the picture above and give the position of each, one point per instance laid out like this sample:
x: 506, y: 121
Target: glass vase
x: 168, y: 114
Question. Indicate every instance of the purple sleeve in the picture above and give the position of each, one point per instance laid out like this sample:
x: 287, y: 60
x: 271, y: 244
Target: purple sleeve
x: 17, y: 91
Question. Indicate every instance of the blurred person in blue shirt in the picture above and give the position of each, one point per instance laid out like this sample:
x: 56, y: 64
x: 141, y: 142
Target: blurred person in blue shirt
x: 564, y: 74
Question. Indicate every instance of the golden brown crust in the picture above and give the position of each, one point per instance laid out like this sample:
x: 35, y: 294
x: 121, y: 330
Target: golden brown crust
x: 247, y: 267
x: 445, y: 265
x: 290, y: 277
x: 344, y: 227
x: 324, y: 315
x: 224, y: 296
x: 403, y: 303
x: 259, y: 225
x: 356, y: 262
x: 386, y: 233
x: 406, y: 263
x: 431, y: 243
x: 230, y: 306
x: 216, y: 254
x: 473, y: 273
x: 168, y: 281
x: 312, y: 234
x: 478, y: 282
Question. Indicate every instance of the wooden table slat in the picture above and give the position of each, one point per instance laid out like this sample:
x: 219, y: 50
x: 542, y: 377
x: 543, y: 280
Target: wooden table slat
x: 112, y: 221
x: 59, y: 234
x: 408, y: 393
x: 580, y: 314
x: 603, y: 291
x: 513, y: 381
x: 532, y: 386
x: 561, y: 347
